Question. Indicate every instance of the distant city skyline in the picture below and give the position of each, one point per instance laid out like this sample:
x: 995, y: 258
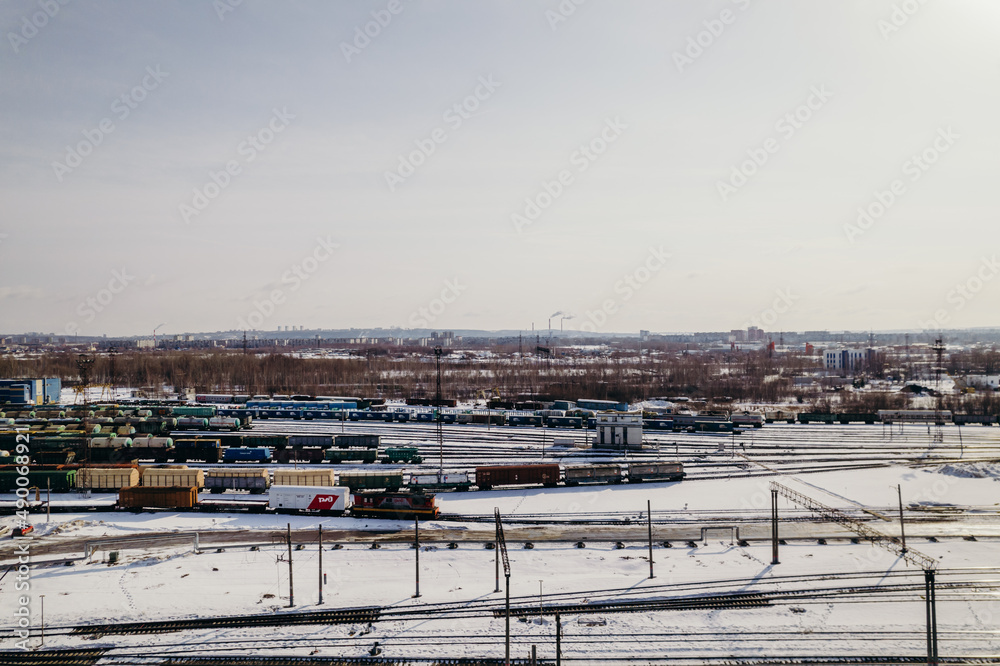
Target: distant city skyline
x: 685, y: 166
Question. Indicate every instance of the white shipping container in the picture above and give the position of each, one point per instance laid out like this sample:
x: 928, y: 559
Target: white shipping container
x: 313, y: 498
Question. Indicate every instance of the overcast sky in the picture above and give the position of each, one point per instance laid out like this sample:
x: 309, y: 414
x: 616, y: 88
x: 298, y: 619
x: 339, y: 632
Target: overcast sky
x: 672, y: 166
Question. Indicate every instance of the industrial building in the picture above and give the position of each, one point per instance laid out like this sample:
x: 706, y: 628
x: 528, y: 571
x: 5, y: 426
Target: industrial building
x: 35, y: 391
x: 618, y: 431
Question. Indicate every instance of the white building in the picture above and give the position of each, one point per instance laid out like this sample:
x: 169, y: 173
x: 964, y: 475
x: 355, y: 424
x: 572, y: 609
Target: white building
x: 846, y: 360
x: 619, y: 431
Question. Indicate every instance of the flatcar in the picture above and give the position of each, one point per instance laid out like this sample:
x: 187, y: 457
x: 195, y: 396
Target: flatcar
x: 398, y: 506
x: 655, y: 471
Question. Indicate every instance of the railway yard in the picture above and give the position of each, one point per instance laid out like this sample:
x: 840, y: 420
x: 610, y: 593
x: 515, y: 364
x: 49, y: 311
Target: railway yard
x: 137, y: 587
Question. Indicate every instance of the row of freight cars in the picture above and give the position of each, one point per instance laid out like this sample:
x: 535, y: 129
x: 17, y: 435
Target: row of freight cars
x: 256, y: 480
x: 65, y: 449
x: 324, y: 500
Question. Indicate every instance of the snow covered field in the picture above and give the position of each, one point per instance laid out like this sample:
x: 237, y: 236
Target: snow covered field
x: 166, y: 582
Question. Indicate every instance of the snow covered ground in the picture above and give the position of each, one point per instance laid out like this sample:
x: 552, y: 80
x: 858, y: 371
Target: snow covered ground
x: 156, y: 582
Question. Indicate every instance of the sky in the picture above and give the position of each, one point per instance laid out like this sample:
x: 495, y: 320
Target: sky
x: 668, y: 166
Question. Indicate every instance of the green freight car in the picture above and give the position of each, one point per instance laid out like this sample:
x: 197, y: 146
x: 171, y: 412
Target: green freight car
x: 336, y: 456
x: 61, y: 480
x: 391, y: 481
x: 401, y: 454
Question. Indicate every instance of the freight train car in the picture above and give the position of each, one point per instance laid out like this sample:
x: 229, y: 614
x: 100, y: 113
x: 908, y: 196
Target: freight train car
x: 357, y: 441
x: 655, y: 471
x: 937, y: 417
x: 459, y: 481
x: 245, y: 454
x: 391, y: 481
x: 330, y: 500
x: 254, y: 480
x: 337, y: 456
x: 517, y: 475
x: 401, y: 454
x: 968, y: 419
x: 170, y: 497
x: 576, y: 474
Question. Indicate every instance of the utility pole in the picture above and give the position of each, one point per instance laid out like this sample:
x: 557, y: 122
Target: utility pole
x: 902, y: 533
x: 321, y: 565
x: 440, y: 433
x: 558, y: 640
x: 774, y: 527
x: 416, y: 549
x: 291, y: 587
x: 506, y: 573
x: 48, y: 500
x: 43, y: 619
x: 931, y: 604
x: 649, y: 525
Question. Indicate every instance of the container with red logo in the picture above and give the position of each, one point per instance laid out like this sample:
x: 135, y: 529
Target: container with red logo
x: 309, y: 498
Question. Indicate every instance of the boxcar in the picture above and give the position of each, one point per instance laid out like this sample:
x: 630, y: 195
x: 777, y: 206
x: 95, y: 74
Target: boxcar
x: 391, y: 481
x: 524, y: 420
x: 303, y: 477
x: 245, y: 454
x: 398, y: 506
x: 564, y: 421
x: 328, y: 499
x: 517, y: 475
x: 655, y: 471
x: 575, y: 474
x: 207, y: 450
x: 311, y: 454
x: 658, y: 424
x: 142, y: 497
x: 966, y: 419
x: 851, y: 417
x: 811, y: 417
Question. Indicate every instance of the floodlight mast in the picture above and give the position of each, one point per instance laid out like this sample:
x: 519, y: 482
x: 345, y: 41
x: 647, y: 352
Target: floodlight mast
x: 502, y: 545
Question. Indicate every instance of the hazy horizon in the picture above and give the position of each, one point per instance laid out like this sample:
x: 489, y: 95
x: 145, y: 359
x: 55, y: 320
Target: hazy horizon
x: 686, y: 166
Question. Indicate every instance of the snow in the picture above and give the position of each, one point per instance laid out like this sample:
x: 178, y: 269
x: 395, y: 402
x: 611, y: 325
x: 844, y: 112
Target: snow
x: 163, y: 582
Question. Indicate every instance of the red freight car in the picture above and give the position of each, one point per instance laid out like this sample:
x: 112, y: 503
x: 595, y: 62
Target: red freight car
x: 170, y: 497
x: 517, y: 475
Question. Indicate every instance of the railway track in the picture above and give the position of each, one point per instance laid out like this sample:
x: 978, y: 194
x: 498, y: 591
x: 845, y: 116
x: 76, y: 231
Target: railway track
x: 345, y: 616
x: 52, y: 657
x: 718, y: 602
